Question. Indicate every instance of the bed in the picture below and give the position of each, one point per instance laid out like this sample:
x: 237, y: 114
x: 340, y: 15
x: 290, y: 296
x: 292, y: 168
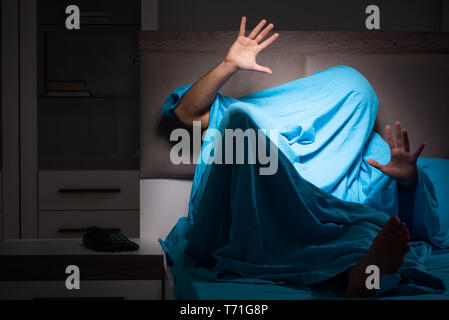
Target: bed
x: 201, y: 289
x: 394, y: 63
x: 196, y: 288
x: 191, y: 287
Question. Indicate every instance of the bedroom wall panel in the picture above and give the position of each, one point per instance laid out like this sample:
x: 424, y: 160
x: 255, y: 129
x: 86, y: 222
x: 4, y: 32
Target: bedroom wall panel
x: 160, y: 74
x: 445, y: 16
x: 286, y: 67
x: 348, y: 15
x: 411, y: 88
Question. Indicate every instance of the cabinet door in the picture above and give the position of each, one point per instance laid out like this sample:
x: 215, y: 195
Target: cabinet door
x: 89, y: 190
x: 51, y: 12
x: 72, y: 224
x: 103, y: 57
x: 10, y: 160
x: 1, y: 100
x: 88, y: 134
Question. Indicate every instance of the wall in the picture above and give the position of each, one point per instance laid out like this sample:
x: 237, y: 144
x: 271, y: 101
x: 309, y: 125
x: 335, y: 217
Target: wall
x: 342, y: 15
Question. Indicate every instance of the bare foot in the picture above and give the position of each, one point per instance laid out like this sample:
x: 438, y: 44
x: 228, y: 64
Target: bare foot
x: 386, y: 252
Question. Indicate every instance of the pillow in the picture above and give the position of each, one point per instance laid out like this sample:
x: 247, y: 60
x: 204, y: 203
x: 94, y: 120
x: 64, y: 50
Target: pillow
x: 437, y: 170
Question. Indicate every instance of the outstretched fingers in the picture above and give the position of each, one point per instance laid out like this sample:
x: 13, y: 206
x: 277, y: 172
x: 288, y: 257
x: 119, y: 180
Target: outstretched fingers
x: 406, y: 140
x: 257, y: 29
x: 376, y: 165
x: 399, y: 142
x: 264, y: 32
x: 389, y: 136
x: 419, y: 150
x: 269, y: 41
x: 402, y: 140
x: 262, y: 69
x: 242, y: 27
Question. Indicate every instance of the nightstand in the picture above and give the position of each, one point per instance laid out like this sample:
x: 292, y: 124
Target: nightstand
x: 31, y: 269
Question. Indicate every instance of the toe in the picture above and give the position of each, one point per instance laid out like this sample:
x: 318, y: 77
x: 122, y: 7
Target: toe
x: 406, y: 248
x: 402, y: 227
x: 405, y: 237
x: 400, y: 237
x: 407, y: 234
x: 400, y: 232
x: 392, y: 225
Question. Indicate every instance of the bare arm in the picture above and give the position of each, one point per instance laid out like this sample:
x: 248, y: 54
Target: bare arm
x: 196, y: 102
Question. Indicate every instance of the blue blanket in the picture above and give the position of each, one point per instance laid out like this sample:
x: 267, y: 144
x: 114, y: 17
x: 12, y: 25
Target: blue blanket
x: 318, y: 214
x: 200, y: 288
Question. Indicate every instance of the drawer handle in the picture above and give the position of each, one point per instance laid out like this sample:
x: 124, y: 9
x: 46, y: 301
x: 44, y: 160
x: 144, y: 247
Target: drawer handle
x: 82, y: 230
x: 90, y: 190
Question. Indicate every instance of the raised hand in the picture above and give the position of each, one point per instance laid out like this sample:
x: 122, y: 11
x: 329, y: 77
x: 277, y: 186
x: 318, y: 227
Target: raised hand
x: 244, y: 50
x: 402, y: 165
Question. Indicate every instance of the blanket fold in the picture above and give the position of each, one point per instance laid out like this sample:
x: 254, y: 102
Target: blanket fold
x: 318, y: 214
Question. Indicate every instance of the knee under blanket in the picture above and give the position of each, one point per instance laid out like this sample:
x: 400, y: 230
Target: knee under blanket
x: 318, y: 214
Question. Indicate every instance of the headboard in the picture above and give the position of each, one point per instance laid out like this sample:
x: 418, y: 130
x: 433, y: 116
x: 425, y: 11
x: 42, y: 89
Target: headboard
x: 408, y: 71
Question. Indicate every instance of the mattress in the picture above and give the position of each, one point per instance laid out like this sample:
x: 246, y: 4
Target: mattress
x: 194, y: 288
